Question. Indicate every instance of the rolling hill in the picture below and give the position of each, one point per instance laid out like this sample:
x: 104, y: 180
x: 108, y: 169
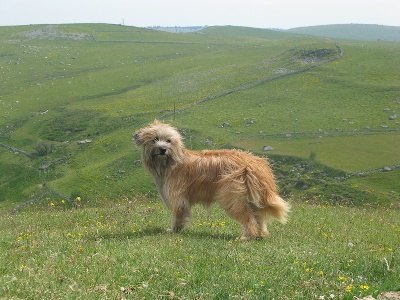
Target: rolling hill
x: 365, y: 32
x: 72, y: 95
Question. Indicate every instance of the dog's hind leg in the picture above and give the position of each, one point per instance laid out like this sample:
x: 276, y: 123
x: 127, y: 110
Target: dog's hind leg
x: 242, y: 212
x: 261, y: 222
x: 180, y: 216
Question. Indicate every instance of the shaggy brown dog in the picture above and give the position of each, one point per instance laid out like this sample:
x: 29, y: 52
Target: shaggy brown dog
x: 240, y: 182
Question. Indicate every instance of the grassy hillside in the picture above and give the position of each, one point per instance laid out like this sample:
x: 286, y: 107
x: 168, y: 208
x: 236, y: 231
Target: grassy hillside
x: 64, y: 84
x: 365, y: 32
x: 120, y: 250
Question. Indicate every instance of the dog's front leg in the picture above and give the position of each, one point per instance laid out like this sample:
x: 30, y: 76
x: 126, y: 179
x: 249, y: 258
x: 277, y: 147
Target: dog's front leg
x: 180, y: 216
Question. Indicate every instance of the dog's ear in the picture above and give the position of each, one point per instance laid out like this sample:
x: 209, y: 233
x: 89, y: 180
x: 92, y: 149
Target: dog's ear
x: 156, y: 122
x: 138, y: 137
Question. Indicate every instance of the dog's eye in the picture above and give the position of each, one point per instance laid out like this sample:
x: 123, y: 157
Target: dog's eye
x: 155, y: 139
x: 168, y: 141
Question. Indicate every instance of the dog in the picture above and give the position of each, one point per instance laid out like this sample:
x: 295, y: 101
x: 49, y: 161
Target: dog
x: 242, y: 184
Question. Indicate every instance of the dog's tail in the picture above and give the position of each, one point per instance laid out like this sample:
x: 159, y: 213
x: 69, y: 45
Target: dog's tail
x: 262, y: 193
x: 278, y: 208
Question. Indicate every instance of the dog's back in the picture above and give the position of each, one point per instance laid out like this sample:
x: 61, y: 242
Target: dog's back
x: 230, y: 175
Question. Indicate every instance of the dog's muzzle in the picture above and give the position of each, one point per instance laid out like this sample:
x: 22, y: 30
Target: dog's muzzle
x: 162, y: 150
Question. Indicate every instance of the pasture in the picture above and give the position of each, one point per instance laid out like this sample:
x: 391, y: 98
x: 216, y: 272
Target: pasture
x: 118, y: 248
x: 349, y: 153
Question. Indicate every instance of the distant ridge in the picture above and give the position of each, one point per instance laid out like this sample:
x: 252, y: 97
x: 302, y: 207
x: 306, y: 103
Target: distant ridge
x: 177, y: 29
x: 352, y: 31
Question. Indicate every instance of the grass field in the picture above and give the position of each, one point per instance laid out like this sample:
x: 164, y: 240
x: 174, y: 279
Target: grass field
x: 226, y: 85
x: 120, y: 249
x: 348, y: 153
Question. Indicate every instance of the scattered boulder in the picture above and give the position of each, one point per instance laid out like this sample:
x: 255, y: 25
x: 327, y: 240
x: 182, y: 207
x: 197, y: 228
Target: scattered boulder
x: 87, y: 141
x: 251, y: 122
x: 368, y: 298
x: 393, y: 117
x: 389, y: 296
x: 267, y: 148
x: 44, y: 167
x: 208, y: 142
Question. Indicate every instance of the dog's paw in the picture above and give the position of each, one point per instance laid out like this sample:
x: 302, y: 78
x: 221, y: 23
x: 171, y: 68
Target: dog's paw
x: 245, y: 238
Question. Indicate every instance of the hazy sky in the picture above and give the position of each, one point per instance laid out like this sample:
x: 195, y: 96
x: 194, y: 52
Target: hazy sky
x: 252, y: 13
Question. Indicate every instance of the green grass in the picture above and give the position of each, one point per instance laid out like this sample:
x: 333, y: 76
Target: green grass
x: 348, y: 153
x: 60, y: 89
x: 118, y: 248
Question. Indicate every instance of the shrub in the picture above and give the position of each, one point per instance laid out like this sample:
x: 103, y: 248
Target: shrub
x: 42, y: 148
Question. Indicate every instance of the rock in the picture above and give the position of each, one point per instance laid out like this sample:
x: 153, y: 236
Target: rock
x: 387, y: 169
x: 386, y: 109
x: 251, y: 122
x: 394, y: 117
x: 87, y: 141
x: 208, y: 142
x: 267, y: 148
x: 389, y: 296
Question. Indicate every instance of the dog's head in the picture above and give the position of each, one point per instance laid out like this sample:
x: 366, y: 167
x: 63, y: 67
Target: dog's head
x: 161, y: 142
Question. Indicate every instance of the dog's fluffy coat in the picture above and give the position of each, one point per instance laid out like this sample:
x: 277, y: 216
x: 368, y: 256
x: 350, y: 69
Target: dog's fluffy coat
x: 240, y: 182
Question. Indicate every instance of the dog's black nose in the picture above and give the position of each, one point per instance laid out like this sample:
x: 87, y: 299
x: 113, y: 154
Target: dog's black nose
x: 163, y: 150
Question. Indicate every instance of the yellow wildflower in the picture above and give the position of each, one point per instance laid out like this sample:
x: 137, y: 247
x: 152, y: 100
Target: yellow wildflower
x: 349, y: 288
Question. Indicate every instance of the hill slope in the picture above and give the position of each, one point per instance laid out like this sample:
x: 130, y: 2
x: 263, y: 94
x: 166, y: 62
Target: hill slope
x: 72, y: 96
x: 352, y: 31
